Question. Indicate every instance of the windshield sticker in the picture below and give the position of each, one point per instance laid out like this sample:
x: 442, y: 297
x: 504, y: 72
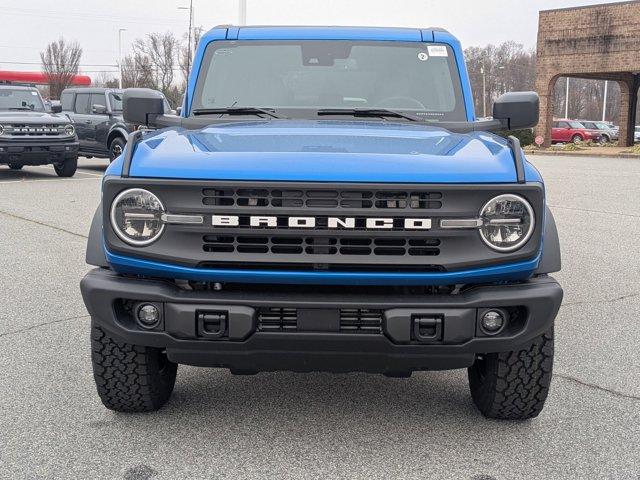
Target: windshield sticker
x: 438, y: 51
x: 34, y: 93
x: 423, y: 56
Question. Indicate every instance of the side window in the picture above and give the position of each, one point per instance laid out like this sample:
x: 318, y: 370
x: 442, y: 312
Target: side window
x: 97, y: 99
x: 66, y: 100
x: 82, y: 103
x: 563, y: 125
x: 556, y: 124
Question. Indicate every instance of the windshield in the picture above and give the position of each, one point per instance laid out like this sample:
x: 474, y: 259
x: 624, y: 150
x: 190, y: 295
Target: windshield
x: 602, y: 126
x: 20, y: 99
x: 115, y: 99
x: 312, y: 75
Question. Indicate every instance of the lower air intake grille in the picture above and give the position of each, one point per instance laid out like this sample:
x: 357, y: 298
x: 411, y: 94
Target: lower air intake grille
x: 276, y: 319
x: 360, y: 320
x: 352, y: 320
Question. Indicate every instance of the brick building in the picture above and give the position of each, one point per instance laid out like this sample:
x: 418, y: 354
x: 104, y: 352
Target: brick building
x: 600, y: 42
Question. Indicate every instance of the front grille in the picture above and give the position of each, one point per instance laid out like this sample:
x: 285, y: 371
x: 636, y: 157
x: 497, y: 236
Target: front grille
x: 24, y: 130
x: 299, y: 245
x: 322, y: 198
x: 319, y: 227
x: 352, y: 320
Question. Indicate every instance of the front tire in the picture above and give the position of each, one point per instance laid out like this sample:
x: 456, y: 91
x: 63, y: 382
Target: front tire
x: 130, y: 378
x: 15, y: 166
x: 576, y: 139
x: 116, y: 147
x: 67, y: 168
x: 513, y: 385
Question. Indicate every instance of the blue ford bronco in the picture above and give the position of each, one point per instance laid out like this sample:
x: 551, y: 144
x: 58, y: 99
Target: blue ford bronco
x: 326, y: 201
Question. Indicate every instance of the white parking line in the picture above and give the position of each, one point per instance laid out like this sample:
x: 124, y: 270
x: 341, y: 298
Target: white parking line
x: 80, y: 170
x: 47, y: 180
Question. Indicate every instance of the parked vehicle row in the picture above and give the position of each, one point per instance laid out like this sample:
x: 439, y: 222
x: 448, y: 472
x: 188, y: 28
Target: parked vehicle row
x: 577, y: 131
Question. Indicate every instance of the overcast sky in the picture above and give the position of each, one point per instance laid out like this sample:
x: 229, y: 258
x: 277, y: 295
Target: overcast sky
x: 28, y: 26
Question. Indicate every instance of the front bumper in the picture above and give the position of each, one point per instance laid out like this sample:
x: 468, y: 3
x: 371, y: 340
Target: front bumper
x: 316, y: 341
x: 40, y: 152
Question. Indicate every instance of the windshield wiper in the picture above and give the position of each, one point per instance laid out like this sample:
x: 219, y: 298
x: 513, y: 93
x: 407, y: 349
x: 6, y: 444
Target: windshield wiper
x: 369, y: 112
x: 238, y: 111
x: 20, y: 108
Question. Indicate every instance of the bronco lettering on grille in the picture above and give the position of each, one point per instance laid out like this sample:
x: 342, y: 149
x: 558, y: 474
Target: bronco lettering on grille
x: 328, y: 223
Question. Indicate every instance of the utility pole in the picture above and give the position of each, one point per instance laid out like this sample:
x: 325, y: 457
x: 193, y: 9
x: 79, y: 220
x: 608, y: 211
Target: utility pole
x: 604, y: 105
x: 120, y: 55
x: 566, y: 101
x: 242, y: 12
x: 190, y: 8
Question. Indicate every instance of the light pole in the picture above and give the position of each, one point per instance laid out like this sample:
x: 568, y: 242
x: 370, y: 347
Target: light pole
x: 604, y: 105
x: 242, y: 12
x: 120, y: 55
x: 190, y: 8
x: 484, y: 91
x: 566, y: 101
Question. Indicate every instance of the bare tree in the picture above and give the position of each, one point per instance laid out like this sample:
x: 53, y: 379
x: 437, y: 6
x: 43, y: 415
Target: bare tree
x: 507, y: 67
x: 106, y: 80
x: 186, y: 56
x: 137, y: 71
x: 60, y: 62
x: 162, y: 51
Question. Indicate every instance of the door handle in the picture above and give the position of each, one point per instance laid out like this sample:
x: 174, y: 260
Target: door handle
x: 89, y: 122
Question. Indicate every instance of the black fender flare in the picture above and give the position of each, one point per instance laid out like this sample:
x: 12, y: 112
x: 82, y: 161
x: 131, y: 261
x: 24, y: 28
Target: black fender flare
x: 95, y: 249
x: 551, y: 260
x: 116, y: 131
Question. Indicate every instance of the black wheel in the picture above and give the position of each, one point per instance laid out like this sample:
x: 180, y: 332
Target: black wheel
x: 15, y: 166
x: 604, y: 139
x: 130, y: 378
x: 576, y: 139
x: 67, y: 168
x: 116, y: 148
x: 513, y: 385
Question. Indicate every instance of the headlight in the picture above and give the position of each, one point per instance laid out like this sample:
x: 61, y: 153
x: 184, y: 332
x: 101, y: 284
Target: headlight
x: 136, y: 217
x: 69, y: 130
x: 1, y: 129
x: 507, y: 222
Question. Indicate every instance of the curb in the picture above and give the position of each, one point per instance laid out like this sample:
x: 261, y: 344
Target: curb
x: 581, y: 153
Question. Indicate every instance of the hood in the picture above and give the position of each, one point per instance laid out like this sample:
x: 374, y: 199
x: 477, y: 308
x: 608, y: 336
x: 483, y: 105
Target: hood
x: 36, y: 118
x: 342, y: 151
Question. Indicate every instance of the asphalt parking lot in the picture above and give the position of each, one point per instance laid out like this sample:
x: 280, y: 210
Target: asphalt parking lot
x: 281, y: 425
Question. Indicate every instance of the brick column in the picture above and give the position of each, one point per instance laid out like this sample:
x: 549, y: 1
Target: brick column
x: 544, y: 87
x: 626, y: 119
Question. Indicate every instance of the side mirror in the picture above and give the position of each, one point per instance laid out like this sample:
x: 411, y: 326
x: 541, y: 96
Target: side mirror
x: 517, y: 110
x: 99, y: 109
x: 179, y: 111
x: 140, y: 106
x: 56, y: 108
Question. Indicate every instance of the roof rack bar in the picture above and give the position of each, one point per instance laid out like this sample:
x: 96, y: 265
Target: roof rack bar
x: 514, y: 145
x: 132, y: 142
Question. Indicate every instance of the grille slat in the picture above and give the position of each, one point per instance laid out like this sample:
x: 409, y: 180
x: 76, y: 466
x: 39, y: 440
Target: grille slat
x: 322, y: 198
x: 416, y: 247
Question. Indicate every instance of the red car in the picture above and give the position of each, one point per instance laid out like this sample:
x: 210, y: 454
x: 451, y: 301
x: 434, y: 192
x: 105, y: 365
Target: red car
x: 572, y: 131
